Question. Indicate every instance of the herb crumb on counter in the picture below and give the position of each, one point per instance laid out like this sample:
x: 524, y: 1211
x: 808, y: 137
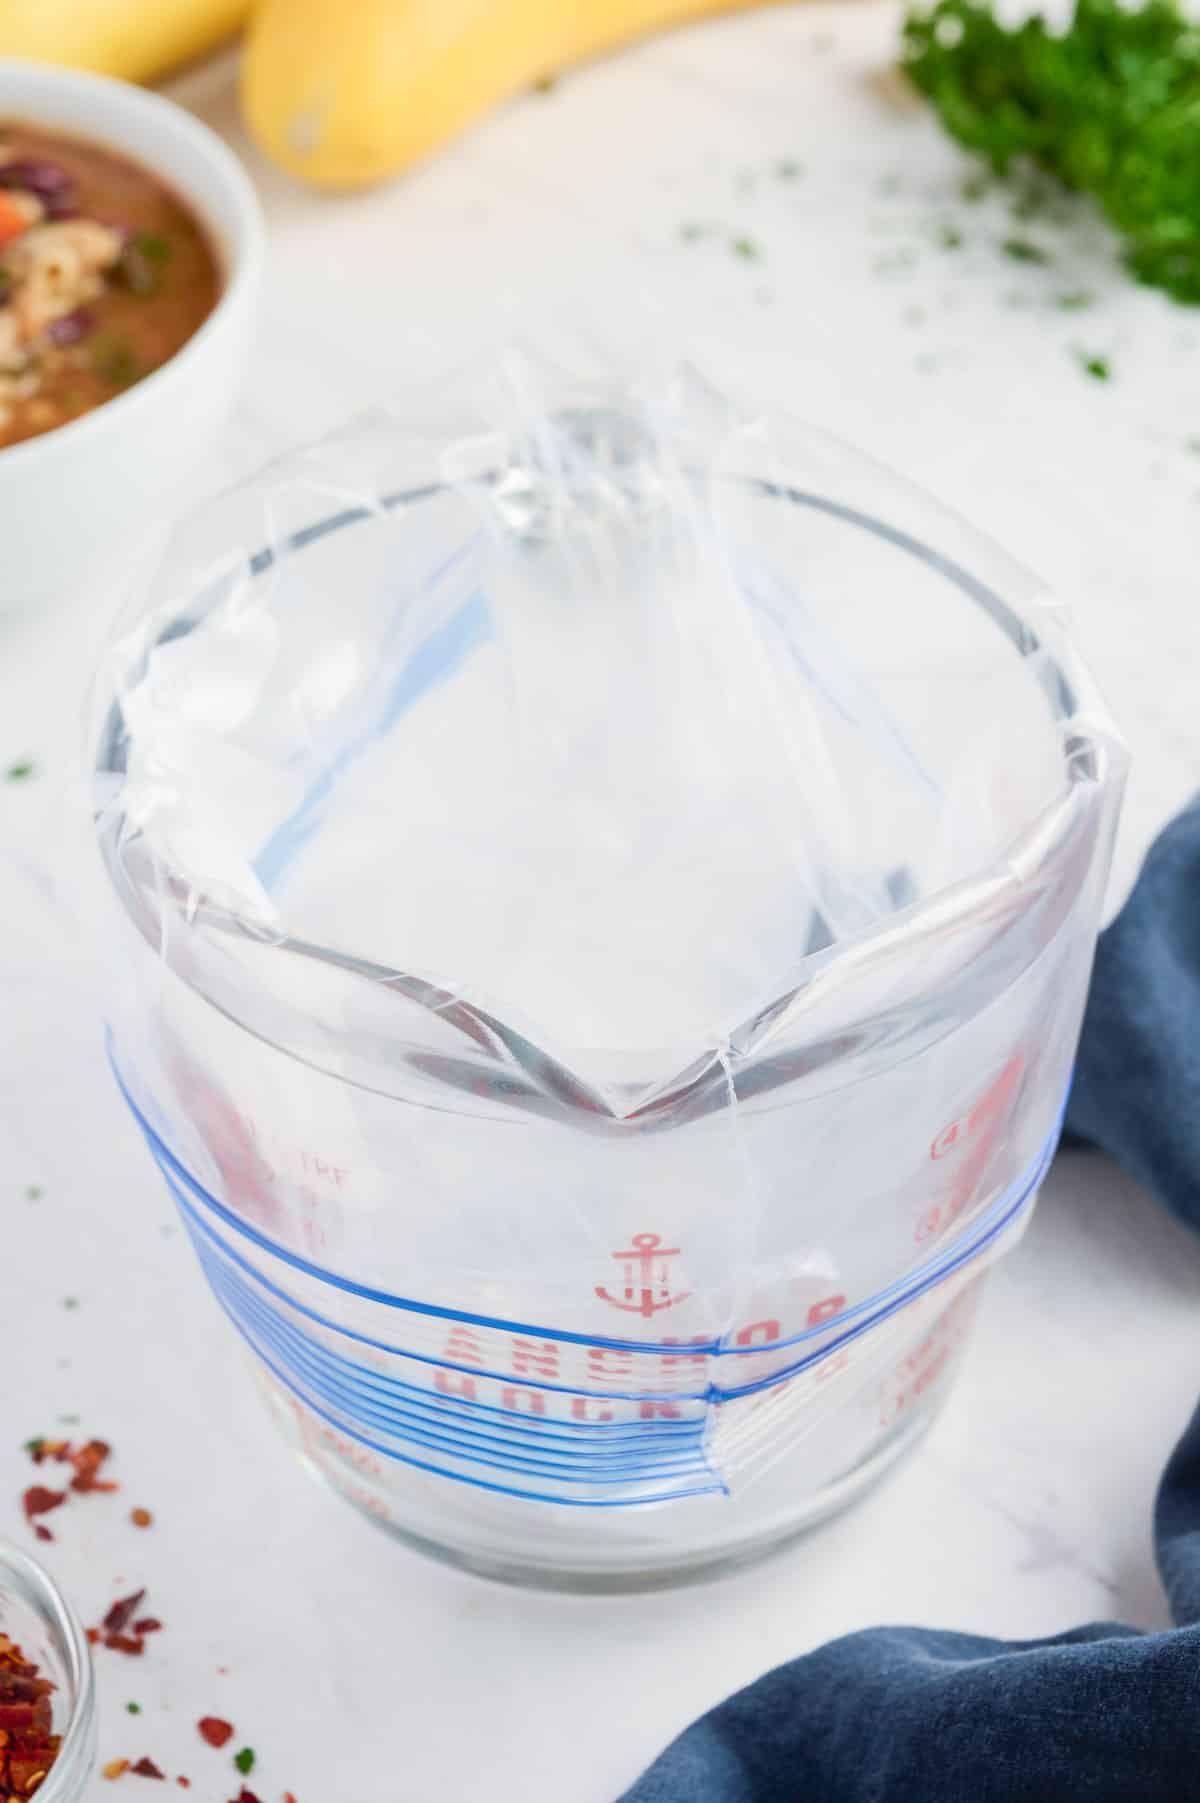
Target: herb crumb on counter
x: 1099, y: 368
x: 1022, y: 250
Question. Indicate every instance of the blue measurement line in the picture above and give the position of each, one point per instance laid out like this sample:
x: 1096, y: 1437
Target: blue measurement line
x: 967, y: 1256
x: 442, y: 1407
x: 716, y: 1487
x: 193, y: 1218
x: 359, y: 1404
x: 997, y: 1220
x: 877, y: 1307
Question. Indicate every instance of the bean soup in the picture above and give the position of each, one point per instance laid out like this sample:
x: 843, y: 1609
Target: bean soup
x: 104, y: 275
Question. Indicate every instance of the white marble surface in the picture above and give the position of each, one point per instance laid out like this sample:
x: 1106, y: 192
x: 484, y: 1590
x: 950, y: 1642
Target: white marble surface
x: 361, y: 1673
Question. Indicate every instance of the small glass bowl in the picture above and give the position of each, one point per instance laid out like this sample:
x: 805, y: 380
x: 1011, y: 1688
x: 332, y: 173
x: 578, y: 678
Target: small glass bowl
x: 35, y: 1614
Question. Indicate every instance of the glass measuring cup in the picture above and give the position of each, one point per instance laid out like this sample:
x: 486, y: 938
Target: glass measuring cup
x: 595, y: 1313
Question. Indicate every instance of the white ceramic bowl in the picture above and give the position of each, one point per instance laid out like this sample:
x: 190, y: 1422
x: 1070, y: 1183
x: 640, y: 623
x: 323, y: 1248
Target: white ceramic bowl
x: 71, y: 496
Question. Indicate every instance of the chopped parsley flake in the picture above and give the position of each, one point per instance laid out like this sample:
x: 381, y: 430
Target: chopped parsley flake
x: 1021, y: 250
x: 1099, y: 368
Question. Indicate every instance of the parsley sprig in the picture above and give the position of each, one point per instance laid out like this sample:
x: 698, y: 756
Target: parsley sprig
x: 1110, y: 107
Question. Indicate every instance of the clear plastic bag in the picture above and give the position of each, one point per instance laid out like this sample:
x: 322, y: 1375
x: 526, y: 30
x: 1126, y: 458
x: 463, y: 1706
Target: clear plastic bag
x: 612, y: 874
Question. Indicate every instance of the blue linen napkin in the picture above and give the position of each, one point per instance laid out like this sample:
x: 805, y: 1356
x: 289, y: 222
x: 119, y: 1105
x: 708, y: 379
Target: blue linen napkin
x: 1137, y: 1076
x: 1104, y: 1713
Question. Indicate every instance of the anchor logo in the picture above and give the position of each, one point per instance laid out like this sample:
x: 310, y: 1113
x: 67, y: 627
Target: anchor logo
x: 647, y: 1283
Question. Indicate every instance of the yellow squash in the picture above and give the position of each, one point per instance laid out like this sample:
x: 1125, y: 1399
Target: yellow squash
x: 135, y: 39
x: 345, y: 92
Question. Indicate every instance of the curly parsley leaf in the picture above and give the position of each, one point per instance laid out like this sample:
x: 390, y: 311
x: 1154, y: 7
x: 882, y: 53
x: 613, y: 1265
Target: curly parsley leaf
x: 1110, y: 107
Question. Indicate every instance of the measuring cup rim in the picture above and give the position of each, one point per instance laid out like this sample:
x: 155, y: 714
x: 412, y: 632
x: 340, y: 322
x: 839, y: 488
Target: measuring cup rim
x: 1093, y: 760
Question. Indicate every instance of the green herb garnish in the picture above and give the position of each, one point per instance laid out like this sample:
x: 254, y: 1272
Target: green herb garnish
x: 133, y: 1708
x: 34, y: 1192
x: 1099, y: 368
x: 153, y: 248
x: 244, y: 1761
x: 20, y: 772
x: 949, y: 237
x: 745, y: 248
x: 33, y: 1447
x: 1074, y: 300
x: 114, y: 361
x: 1022, y: 251
x: 788, y: 169
x: 1110, y: 108
x: 143, y: 263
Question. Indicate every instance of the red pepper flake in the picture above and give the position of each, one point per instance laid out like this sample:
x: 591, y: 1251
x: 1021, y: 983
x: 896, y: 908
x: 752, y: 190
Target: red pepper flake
x: 146, y: 1768
x: 215, y: 1731
x: 94, y: 1636
x: 122, y: 1613
x: 184, y: 1783
x: 244, y: 1796
x: 42, y: 1532
x: 112, y: 1630
x: 288, y: 1797
x: 28, y: 1745
x: 37, y: 1500
x: 141, y: 1518
x: 87, y: 1462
